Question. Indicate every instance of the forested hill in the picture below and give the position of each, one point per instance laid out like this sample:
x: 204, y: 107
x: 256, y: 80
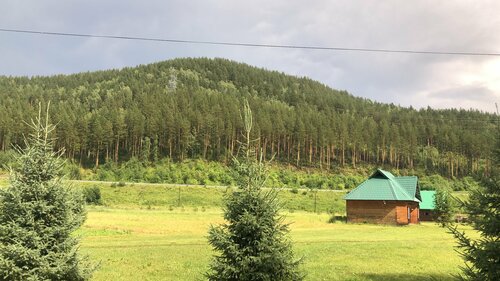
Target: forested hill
x: 190, y: 108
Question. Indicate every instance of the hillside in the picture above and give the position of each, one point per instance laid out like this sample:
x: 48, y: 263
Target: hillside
x: 189, y: 108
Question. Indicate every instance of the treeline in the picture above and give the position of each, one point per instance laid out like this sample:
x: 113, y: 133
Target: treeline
x: 189, y: 108
x: 200, y: 172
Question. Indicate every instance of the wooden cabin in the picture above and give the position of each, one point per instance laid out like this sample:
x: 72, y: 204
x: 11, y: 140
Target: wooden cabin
x: 427, y: 205
x: 384, y: 199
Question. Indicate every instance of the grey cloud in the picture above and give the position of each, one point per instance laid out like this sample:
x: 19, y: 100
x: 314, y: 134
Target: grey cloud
x: 466, y: 93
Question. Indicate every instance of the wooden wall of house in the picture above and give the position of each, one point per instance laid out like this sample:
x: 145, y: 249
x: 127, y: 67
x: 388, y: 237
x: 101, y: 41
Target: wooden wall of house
x: 426, y: 215
x: 414, y: 211
x: 381, y: 212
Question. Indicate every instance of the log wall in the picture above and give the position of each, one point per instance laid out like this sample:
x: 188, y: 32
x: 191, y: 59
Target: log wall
x: 426, y: 215
x: 382, y: 212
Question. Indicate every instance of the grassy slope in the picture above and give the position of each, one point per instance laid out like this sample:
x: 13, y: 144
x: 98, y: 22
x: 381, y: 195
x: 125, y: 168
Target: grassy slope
x: 135, y: 244
x: 163, y: 196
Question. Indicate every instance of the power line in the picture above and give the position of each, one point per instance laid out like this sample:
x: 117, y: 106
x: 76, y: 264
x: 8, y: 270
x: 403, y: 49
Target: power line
x: 239, y: 44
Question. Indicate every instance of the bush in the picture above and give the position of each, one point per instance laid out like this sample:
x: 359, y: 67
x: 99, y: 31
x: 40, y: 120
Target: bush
x: 92, y: 195
x: 332, y: 219
x: 434, y: 182
x: 72, y: 170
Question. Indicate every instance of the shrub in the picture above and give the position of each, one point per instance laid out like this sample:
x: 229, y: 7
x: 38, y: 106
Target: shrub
x: 335, y: 218
x: 72, y: 170
x: 332, y: 219
x: 92, y: 195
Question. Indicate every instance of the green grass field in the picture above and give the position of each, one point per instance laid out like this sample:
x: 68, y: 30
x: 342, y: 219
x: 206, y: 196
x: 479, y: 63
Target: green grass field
x: 135, y: 244
x: 152, y: 196
x: 143, y: 232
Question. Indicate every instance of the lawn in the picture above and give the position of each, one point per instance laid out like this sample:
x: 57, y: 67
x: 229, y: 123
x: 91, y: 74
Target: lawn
x: 140, y: 244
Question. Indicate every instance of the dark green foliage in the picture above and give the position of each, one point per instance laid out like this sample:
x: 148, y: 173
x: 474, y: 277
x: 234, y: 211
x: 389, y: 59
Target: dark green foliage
x: 444, y: 207
x: 188, y: 108
x: 6, y: 158
x: 38, y: 214
x: 146, y: 150
x: 434, y: 182
x: 253, y: 244
x: 216, y: 173
x: 332, y: 219
x: 482, y: 256
x: 72, y: 170
x: 92, y: 195
x: 335, y: 218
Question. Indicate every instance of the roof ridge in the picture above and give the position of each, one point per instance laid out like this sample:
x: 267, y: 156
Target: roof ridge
x: 413, y: 197
x: 404, y: 190
x: 392, y: 189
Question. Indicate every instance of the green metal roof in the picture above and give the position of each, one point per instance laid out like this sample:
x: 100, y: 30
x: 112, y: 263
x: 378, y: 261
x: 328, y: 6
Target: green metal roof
x: 427, y: 200
x: 383, y: 185
x: 410, y: 184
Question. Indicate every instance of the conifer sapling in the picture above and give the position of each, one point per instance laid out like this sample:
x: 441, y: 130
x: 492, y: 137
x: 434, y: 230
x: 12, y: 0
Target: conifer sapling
x: 253, y: 243
x: 38, y: 215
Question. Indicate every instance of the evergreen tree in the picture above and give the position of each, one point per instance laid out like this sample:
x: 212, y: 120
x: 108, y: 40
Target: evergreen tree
x: 146, y: 150
x: 443, y: 207
x: 38, y: 214
x: 482, y: 256
x: 253, y: 244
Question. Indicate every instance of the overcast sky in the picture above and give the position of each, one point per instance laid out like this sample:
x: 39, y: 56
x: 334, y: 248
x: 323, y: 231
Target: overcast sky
x: 405, y: 79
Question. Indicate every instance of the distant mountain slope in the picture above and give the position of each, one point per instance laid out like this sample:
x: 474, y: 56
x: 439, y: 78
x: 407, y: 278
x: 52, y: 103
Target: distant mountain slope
x: 189, y: 108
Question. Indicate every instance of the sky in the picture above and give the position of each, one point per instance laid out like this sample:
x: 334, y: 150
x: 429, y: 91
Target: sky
x: 418, y: 80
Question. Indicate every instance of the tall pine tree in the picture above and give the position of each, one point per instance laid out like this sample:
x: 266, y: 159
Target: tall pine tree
x: 253, y: 244
x: 482, y: 256
x: 38, y: 214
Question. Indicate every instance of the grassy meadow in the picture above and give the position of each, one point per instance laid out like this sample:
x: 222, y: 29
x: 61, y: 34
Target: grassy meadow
x: 140, y: 244
x: 152, y: 196
x: 144, y: 232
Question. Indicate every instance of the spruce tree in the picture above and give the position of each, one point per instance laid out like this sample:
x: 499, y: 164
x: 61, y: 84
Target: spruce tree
x: 443, y: 207
x: 38, y: 215
x: 482, y: 255
x: 253, y: 243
